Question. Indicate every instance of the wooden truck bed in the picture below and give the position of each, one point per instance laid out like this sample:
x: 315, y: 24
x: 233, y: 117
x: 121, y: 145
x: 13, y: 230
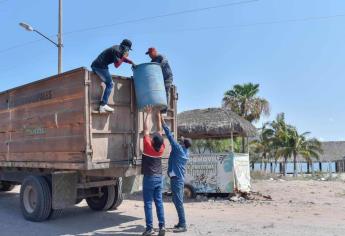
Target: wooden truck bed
x: 54, y: 124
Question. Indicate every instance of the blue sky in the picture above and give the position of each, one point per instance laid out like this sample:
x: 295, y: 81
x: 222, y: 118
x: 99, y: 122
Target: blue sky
x: 300, y: 65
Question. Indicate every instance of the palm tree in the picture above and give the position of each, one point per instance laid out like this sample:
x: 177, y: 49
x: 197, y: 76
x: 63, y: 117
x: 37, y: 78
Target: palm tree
x: 263, y: 145
x: 278, y: 139
x: 243, y: 100
x: 313, y: 150
x: 299, y: 144
x: 281, y: 131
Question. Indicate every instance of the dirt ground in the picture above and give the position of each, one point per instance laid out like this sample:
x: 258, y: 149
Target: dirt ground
x: 298, y: 208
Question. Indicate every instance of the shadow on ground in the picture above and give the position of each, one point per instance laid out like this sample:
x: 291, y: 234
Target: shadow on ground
x: 79, y: 220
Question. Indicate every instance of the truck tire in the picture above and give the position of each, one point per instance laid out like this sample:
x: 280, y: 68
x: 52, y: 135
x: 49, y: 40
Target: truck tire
x: 118, y: 199
x: 189, y: 192
x: 104, y: 202
x: 35, y: 198
x: 55, y: 213
x: 6, y: 186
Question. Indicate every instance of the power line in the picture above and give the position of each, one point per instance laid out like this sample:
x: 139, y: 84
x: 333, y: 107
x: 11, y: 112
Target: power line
x: 162, y: 16
x: 137, y: 20
x: 276, y: 22
x: 20, y: 45
x: 284, y: 21
x: 296, y: 20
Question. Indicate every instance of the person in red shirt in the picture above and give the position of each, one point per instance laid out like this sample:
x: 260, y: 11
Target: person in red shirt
x: 152, y: 170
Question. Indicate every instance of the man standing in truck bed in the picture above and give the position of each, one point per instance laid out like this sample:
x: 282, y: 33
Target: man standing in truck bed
x: 115, y: 54
x: 167, y: 73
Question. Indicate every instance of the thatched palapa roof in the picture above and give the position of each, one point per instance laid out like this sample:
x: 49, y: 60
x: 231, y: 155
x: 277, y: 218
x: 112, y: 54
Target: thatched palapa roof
x: 213, y: 123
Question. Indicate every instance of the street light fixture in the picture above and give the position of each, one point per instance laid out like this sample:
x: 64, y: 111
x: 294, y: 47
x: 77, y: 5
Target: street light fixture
x: 31, y: 29
x: 59, y: 44
x: 26, y: 26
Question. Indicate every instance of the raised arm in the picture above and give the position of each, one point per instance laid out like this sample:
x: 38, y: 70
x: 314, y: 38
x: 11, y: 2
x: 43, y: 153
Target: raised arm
x: 168, y: 133
x: 147, y: 111
x: 175, y: 146
x: 159, y: 122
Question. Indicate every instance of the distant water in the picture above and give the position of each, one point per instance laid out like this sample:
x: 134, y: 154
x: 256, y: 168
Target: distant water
x: 301, y: 167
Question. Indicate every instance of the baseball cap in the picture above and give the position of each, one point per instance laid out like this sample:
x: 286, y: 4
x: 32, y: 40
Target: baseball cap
x: 127, y: 43
x: 150, y: 50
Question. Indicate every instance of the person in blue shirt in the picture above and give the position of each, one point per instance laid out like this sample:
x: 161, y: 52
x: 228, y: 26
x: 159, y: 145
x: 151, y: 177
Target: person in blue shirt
x: 178, y: 158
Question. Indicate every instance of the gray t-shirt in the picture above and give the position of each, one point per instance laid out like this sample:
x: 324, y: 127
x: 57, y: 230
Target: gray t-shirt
x: 167, y: 73
x: 108, y: 56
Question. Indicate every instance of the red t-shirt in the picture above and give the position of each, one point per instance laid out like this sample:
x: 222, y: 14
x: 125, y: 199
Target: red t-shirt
x: 149, y: 150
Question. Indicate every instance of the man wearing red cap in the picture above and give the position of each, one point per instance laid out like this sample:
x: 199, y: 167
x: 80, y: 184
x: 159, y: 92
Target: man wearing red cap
x: 167, y: 73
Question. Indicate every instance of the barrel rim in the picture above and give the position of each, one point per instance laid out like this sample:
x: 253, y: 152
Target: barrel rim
x: 148, y: 63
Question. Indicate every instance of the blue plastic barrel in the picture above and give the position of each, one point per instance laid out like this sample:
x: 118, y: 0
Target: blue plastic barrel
x: 149, y: 85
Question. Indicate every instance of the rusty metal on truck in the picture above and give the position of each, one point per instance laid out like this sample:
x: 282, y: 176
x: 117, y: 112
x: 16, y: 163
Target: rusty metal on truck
x: 55, y: 143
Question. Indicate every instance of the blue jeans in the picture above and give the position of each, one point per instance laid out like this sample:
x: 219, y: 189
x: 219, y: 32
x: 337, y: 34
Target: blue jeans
x: 106, y: 78
x: 152, y: 191
x: 177, y: 189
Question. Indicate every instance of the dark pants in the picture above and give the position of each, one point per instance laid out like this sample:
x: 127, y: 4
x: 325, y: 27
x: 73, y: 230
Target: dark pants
x: 177, y: 186
x: 106, y: 78
x: 152, y: 191
x: 167, y: 84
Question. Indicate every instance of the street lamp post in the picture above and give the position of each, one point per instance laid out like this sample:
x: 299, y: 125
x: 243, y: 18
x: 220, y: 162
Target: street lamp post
x: 59, y: 44
x: 60, y: 38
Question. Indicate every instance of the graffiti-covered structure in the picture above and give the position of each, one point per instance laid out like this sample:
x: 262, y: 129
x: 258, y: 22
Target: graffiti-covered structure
x: 216, y: 172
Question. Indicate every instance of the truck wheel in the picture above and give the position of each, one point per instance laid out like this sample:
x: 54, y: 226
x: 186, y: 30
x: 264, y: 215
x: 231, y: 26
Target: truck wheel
x: 104, y: 202
x: 55, y: 213
x: 6, y: 186
x: 35, y: 198
x: 118, y: 199
x: 189, y: 192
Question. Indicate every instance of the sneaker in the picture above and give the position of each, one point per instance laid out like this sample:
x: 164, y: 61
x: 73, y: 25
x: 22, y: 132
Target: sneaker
x: 102, y: 110
x: 148, y: 232
x: 177, y: 226
x: 179, y: 229
x: 161, y: 231
x: 105, y: 108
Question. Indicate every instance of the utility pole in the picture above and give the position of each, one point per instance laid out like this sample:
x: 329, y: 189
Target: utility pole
x: 60, y: 45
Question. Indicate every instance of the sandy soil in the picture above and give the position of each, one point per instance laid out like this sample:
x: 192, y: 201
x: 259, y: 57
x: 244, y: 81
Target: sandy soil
x: 298, y: 208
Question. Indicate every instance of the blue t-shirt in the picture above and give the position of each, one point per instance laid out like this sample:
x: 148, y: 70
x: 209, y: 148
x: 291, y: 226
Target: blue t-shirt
x: 179, y: 155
